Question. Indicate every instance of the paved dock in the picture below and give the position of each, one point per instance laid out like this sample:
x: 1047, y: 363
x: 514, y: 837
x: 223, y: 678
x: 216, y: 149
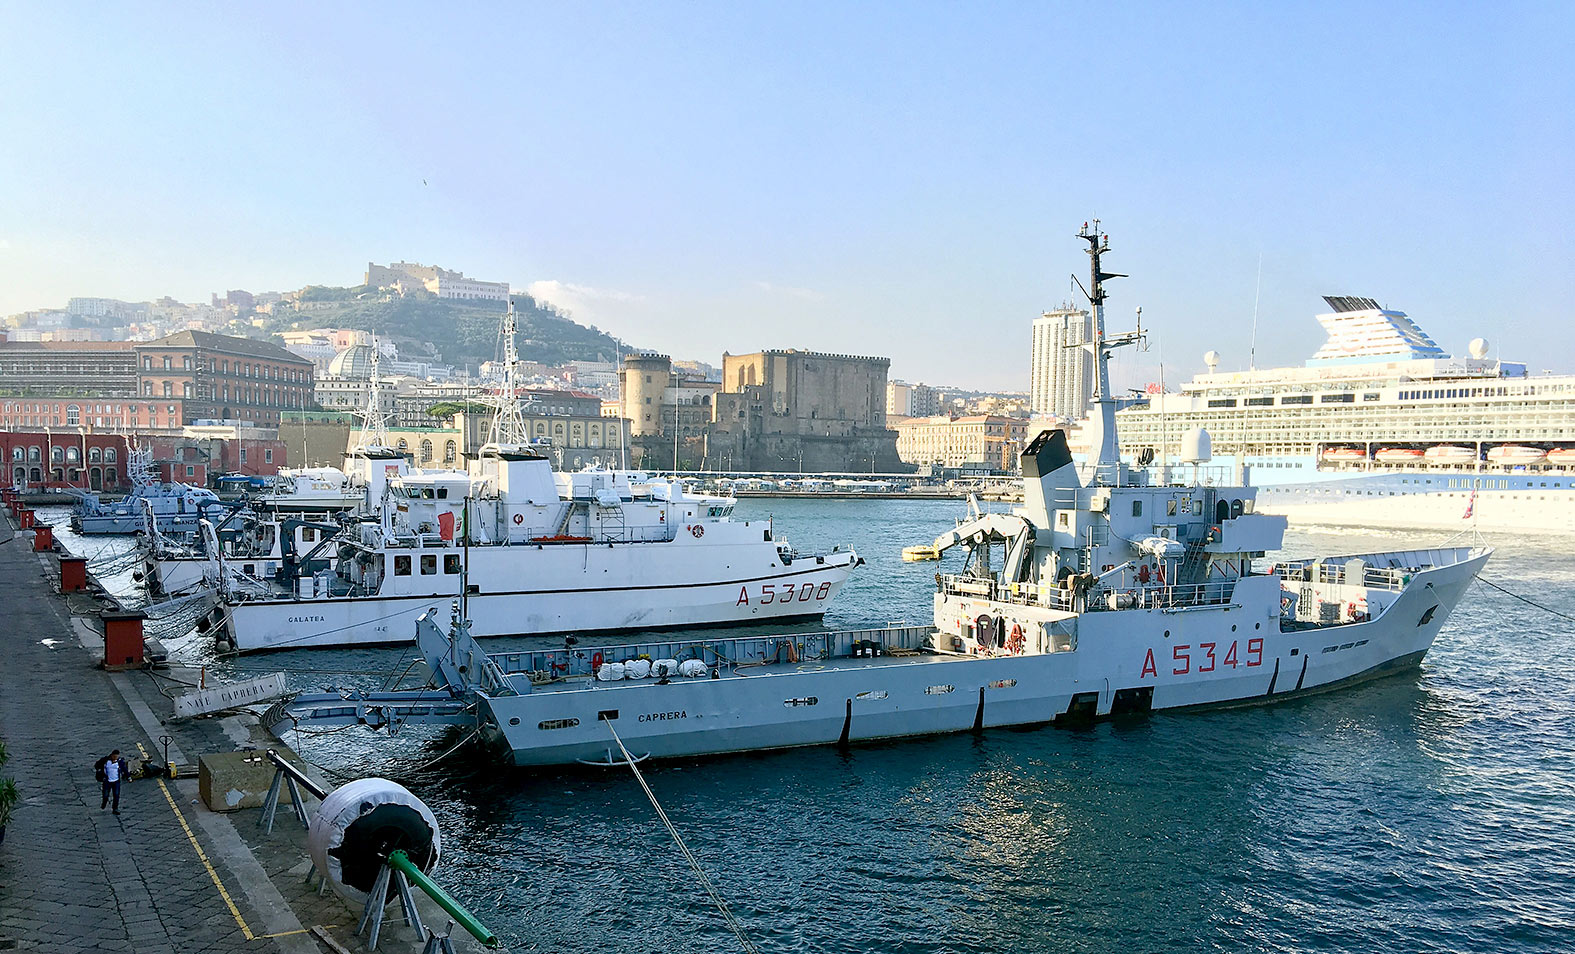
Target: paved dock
x: 166, y: 874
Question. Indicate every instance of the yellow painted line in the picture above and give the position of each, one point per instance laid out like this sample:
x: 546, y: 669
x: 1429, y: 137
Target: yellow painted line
x: 203, y: 856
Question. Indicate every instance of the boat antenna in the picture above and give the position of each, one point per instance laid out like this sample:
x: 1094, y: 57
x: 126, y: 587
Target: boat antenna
x: 374, y: 423
x: 1252, y: 352
x: 1104, y: 456
x: 464, y: 563
x: 508, y: 425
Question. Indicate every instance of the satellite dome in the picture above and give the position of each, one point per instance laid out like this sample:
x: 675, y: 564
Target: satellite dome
x: 1478, y: 347
x: 1211, y: 358
x: 1196, y: 447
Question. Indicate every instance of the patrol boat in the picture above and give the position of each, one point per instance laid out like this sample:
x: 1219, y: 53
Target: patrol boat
x: 1111, y: 591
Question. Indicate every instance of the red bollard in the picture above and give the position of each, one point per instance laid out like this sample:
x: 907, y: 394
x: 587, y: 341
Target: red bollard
x: 43, y: 538
x: 73, y: 574
x: 123, y: 638
x: 24, y: 519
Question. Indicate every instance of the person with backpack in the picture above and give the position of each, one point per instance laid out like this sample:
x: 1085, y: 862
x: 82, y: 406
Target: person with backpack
x: 110, y: 771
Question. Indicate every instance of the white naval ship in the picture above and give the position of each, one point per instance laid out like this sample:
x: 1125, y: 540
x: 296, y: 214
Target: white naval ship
x: 1383, y: 428
x: 535, y: 551
x: 1111, y: 591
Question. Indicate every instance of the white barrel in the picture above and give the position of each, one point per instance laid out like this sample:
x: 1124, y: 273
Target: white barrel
x: 359, y: 823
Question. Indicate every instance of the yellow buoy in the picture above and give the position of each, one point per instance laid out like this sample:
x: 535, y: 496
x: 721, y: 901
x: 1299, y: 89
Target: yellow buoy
x: 920, y: 553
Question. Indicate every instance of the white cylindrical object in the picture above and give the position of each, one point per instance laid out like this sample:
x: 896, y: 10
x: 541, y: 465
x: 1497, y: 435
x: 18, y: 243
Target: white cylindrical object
x: 692, y: 668
x: 358, y: 821
x: 610, y: 672
x: 637, y: 668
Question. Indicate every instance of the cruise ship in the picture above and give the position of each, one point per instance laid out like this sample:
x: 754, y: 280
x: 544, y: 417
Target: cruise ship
x: 1383, y: 428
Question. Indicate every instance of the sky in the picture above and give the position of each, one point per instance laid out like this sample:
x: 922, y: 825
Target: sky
x: 902, y: 180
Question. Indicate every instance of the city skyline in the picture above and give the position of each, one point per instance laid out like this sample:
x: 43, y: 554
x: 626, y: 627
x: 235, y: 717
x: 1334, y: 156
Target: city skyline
x: 893, y: 181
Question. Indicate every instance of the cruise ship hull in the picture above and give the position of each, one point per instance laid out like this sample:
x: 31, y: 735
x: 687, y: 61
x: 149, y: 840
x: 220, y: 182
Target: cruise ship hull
x: 1543, y: 503
x: 563, y: 589
x: 838, y: 700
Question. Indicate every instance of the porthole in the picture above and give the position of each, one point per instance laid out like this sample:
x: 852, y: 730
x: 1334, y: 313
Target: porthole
x: 554, y: 723
x: 514, y: 721
x: 871, y: 694
x: 938, y: 690
x: 801, y: 701
x: 1002, y: 683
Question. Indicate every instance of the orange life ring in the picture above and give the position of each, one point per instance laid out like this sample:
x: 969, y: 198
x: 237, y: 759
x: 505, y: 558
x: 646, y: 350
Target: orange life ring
x: 697, y: 530
x: 519, y: 518
x: 1014, y: 642
x: 596, y: 662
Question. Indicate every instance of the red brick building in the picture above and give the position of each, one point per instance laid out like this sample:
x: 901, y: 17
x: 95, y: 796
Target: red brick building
x: 217, y: 377
x: 54, y: 460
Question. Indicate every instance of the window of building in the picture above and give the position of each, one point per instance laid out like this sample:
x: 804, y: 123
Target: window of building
x: 167, y: 364
x: 73, y: 455
x: 185, y: 389
x: 94, y: 455
x: 186, y: 362
x: 450, y: 452
x: 191, y: 470
x: 109, y: 455
x: 401, y: 566
x: 267, y: 455
x: 428, y: 564
x: 147, y: 362
x: 73, y: 415
x: 243, y: 455
x: 147, y: 389
x: 169, y: 389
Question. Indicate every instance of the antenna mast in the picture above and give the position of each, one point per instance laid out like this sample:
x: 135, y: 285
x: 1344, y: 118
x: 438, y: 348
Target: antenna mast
x: 374, y: 422
x: 508, y: 424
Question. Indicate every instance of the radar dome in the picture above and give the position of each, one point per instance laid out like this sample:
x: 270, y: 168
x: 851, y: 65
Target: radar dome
x: 1211, y: 358
x: 1478, y: 348
x: 1196, y: 447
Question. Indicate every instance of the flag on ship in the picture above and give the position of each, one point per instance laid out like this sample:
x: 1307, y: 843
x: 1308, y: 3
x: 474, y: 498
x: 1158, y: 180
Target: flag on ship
x: 1471, y: 506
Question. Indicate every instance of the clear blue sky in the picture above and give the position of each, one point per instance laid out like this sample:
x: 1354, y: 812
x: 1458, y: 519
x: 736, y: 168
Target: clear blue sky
x: 900, y: 179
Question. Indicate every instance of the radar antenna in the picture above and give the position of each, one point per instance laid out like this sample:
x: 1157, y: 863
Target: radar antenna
x: 1104, y: 456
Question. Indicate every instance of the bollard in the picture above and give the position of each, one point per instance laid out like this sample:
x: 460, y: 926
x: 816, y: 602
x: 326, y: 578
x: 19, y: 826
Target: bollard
x: 24, y: 518
x: 122, y: 638
x: 73, y: 574
x: 43, y: 538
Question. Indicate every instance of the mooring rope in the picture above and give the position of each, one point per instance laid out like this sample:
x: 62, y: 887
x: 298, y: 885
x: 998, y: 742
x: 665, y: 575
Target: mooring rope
x: 1510, y: 593
x: 705, y: 882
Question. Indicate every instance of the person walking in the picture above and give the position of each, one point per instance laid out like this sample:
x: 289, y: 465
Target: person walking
x: 111, y: 770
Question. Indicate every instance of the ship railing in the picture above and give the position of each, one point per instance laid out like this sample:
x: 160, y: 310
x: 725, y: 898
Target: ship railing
x: 724, y: 655
x: 1138, y: 596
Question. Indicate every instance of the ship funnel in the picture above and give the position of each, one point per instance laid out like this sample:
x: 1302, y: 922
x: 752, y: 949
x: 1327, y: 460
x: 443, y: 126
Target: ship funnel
x: 1050, y: 478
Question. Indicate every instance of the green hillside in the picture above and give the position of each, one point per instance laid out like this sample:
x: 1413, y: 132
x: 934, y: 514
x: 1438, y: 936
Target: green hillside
x: 461, y: 333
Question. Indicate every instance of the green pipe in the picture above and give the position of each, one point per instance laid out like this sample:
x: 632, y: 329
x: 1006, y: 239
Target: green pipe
x: 401, y: 862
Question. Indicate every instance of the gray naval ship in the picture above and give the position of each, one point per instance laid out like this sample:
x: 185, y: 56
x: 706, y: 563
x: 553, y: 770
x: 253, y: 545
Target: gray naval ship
x: 1113, y: 590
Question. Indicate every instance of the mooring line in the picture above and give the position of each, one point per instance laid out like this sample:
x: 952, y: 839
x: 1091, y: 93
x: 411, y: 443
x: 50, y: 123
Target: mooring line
x: 1511, y: 593
x: 705, y: 882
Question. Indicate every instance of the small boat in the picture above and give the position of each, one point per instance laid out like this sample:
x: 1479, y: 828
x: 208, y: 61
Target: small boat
x: 920, y: 553
x: 1516, y: 454
x: 1400, y: 455
x: 1562, y: 456
x: 1450, y: 454
x: 1344, y: 454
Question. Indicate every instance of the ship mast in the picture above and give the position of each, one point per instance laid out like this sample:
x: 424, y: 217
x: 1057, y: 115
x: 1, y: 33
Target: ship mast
x: 508, y: 424
x: 374, y: 422
x: 1104, y: 453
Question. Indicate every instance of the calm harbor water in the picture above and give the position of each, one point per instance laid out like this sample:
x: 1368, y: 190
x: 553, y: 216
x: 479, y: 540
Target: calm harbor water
x: 1433, y: 811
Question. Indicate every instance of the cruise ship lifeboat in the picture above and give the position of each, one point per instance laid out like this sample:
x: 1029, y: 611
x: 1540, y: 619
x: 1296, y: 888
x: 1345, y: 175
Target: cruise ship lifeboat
x: 1344, y: 454
x: 1399, y: 455
x: 1563, y: 456
x: 1516, y: 454
x: 1450, y: 454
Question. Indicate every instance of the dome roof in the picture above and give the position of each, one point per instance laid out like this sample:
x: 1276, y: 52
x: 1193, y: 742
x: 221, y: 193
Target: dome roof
x: 354, y: 362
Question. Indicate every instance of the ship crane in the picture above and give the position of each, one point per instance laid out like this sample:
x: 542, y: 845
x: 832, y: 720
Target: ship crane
x: 977, y: 534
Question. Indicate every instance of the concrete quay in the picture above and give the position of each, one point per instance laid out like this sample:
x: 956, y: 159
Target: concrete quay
x: 167, y: 874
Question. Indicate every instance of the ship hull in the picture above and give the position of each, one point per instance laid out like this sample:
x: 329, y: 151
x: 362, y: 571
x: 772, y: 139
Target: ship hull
x: 563, y: 589
x: 1121, y: 664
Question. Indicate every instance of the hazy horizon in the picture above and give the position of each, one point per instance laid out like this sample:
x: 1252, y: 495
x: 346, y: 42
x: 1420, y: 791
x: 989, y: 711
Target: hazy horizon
x: 901, y: 180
